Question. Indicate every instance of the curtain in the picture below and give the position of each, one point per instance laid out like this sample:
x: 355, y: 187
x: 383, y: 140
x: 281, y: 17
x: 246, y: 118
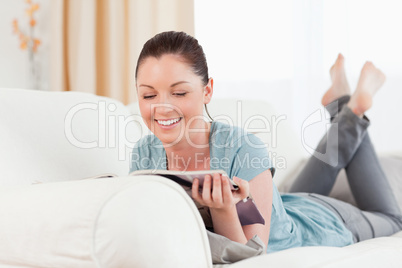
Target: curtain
x: 95, y: 43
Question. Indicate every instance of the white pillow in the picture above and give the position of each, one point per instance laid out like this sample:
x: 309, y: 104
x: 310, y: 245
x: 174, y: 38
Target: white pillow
x: 55, y: 136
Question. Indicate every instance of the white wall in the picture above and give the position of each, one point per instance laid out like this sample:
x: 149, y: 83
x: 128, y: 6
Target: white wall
x: 278, y: 51
x: 14, y: 63
x: 281, y: 52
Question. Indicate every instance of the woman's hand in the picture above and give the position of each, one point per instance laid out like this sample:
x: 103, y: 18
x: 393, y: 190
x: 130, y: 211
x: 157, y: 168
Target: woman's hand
x: 217, y: 194
x: 221, y: 200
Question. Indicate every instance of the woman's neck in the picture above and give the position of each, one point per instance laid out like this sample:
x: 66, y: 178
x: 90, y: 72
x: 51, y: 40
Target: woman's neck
x: 191, y: 153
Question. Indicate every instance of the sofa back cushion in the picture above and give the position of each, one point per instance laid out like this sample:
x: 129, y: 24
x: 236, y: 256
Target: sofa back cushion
x: 55, y: 136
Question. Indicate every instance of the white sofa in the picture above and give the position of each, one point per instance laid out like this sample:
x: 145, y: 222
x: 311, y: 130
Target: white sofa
x: 51, y: 217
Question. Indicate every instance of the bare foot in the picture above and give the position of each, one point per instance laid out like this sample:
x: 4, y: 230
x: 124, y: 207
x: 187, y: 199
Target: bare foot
x: 340, y: 86
x: 371, y: 79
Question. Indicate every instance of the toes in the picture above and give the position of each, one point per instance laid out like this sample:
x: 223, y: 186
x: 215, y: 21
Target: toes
x: 340, y: 58
x: 370, y: 70
x: 368, y: 65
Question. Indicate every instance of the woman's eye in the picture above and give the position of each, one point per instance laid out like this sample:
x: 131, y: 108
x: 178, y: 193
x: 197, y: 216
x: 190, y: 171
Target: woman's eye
x: 148, y: 97
x: 180, y: 94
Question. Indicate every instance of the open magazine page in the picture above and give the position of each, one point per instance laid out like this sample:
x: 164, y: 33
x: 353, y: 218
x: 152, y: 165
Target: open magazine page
x: 101, y: 176
x: 246, y: 209
x: 185, y: 178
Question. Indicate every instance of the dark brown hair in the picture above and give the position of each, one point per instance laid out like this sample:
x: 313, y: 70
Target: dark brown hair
x: 176, y: 43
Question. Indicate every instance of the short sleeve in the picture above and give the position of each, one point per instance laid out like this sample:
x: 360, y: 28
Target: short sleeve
x: 148, y: 153
x: 135, y: 155
x: 250, y: 158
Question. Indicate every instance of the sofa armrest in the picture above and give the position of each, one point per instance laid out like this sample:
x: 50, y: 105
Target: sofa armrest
x: 119, y: 222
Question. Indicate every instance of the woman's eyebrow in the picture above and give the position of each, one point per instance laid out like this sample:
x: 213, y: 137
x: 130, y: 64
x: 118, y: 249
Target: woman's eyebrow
x: 143, y: 85
x: 178, y: 83
x: 172, y: 85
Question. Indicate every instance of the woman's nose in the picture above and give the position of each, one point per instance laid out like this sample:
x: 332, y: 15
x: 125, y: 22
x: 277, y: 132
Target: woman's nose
x: 163, y: 108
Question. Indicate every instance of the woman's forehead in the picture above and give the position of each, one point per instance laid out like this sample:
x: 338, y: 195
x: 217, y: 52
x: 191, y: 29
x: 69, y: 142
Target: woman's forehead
x: 169, y: 68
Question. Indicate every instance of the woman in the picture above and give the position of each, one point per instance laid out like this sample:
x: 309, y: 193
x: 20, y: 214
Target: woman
x: 173, y: 87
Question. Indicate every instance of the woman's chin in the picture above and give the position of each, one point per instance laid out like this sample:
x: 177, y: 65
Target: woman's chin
x: 168, y: 140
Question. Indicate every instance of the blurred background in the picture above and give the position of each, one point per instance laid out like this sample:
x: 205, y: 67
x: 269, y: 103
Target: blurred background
x: 276, y: 51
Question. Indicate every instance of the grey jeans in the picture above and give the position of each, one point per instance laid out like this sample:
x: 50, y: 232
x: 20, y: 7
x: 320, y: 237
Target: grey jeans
x: 347, y: 145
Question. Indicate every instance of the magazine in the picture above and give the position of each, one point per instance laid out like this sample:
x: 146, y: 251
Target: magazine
x: 246, y: 209
x: 185, y: 178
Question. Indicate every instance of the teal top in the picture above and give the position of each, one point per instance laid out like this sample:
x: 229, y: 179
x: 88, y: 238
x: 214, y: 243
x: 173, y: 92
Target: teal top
x: 295, y: 221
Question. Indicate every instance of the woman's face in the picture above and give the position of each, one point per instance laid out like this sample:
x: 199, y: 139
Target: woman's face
x: 171, y: 98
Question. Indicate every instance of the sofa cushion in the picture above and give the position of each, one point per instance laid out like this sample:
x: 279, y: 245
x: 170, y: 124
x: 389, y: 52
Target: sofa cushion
x: 379, y: 252
x: 56, y: 136
x: 142, y: 221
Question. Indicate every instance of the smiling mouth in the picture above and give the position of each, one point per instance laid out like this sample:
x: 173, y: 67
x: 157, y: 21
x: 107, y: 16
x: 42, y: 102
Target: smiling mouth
x: 168, y: 122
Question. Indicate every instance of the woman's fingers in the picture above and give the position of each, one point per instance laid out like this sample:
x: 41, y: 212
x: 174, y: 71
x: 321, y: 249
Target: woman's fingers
x: 217, y: 193
x: 217, y: 189
x: 195, y: 190
x: 206, y: 189
x: 226, y: 190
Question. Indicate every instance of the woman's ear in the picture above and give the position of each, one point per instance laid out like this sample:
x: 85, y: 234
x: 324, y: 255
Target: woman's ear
x: 208, y: 91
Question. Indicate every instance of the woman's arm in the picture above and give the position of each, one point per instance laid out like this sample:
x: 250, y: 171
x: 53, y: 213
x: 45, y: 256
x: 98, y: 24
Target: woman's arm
x: 261, y: 190
x: 222, y: 203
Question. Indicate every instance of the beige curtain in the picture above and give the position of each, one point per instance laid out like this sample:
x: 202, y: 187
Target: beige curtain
x: 95, y: 43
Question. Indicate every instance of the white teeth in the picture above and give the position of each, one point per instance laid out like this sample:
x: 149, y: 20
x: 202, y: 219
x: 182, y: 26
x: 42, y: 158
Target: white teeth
x: 168, y: 122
